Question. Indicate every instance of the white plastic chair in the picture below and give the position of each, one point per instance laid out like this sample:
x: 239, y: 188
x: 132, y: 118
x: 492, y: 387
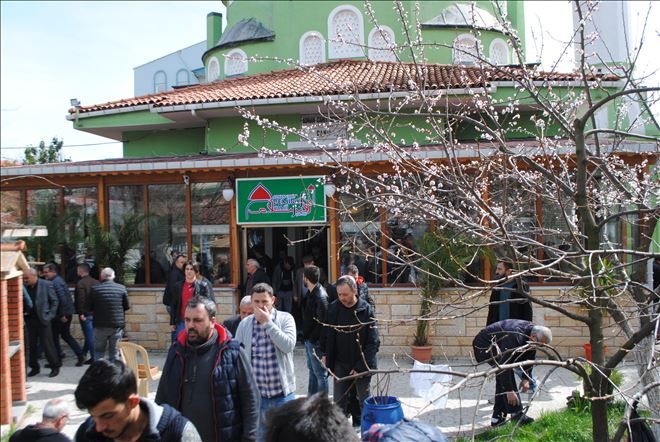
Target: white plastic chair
x: 144, y: 372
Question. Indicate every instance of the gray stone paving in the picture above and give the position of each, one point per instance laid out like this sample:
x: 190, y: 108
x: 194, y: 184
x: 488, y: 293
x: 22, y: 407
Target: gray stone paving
x: 462, y: 409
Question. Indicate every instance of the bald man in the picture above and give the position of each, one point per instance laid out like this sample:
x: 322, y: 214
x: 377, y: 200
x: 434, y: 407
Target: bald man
x: 44, y: 309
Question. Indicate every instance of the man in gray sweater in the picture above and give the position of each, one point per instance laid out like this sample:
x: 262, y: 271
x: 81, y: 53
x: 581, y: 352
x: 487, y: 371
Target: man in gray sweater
x: 269, y: 337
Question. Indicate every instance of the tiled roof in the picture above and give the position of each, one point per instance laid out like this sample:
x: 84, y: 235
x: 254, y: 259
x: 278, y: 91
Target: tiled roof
x: 334, y: 78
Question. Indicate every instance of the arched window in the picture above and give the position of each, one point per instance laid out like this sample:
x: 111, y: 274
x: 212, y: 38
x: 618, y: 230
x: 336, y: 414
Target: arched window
x: 182, y: 77
x: 345, y: 32
x: 466, y: 50
x: 213, y: 70
x: 235, y: 62
x: 499, y: 52
x: 312, y: 48
x: 160, y: 82
x: 381, y: 44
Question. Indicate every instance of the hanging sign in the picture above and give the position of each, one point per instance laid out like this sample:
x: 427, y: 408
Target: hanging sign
x: 287, y: 200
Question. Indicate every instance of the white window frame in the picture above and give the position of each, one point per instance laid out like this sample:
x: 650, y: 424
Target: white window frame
x: 244, y: 59
x: 301, y: 44
x: 333, y: 45
x: 495, y: 42
x: 187, y: 77
x: 209, y: 70
x: 373, y: 50
x: 160, y: 86
x: 477, y: 44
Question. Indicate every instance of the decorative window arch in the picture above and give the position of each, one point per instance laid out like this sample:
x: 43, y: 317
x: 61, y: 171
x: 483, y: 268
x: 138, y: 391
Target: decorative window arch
x: 236, y: 62
x: 466, y: 50
x: 182, y: 77
x: 213, y: 70
x: 381, y: 44
x: 312, y: 48
x: 160, y: 82
x: 345, y: 32
x: 499, y: 52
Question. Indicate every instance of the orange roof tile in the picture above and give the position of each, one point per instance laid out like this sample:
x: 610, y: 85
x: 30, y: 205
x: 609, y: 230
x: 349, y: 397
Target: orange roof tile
x: 333, y: 78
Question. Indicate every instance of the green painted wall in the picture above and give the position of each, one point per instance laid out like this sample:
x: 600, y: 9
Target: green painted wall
x: 223, y: 134
x: 164, y: 143
x: 313, y: 16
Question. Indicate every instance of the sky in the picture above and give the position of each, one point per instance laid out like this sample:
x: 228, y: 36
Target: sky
x: 55, y: 51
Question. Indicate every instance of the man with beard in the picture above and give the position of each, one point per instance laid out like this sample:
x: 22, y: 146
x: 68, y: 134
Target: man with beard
x: 208, y: 378
x: 108, y: 390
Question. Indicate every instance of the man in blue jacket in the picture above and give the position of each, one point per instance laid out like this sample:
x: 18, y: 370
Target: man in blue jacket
x: 352, y: 348
x: 65, y: 310
x: 208, y: 378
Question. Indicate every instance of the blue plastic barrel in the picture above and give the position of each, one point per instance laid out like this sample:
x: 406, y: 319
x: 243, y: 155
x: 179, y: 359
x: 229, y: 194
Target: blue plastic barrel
x: 381, y: 410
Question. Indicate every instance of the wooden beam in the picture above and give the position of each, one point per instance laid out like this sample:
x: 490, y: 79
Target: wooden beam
x: 103, y: 202
x: 234, y: 244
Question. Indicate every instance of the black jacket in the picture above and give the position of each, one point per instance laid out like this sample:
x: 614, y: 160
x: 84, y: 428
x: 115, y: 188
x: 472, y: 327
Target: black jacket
x: 497, y: 344
x: 314, y: 308
x: 201, y: 289
x: 176, y: 275
x: 45, y: 302
x: 37, y: 433
x: 368, y: 334
x: 258, y: 277
x: 108, y: 301
x: 519, y: 305
x: 65, y: 306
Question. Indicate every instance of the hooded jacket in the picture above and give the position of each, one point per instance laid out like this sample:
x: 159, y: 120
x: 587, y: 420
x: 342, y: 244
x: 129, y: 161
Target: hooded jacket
x: 234, y: 392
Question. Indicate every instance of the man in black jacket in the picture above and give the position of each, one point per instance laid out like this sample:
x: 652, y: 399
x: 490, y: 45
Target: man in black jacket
x: 314, y: 308
x: 255, y: 275
x: 508, y: 342
x: 53, y: 420
x: 65, y: 310
x: 44, y: 309
x: 350, y: 343
x: 508, y: 300
x: 108, y: 303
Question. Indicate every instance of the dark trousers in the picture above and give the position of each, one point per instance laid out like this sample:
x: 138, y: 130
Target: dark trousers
x: 63, y: 329
x: 342, y: 390
x: 38, y: 332
x: 503, y: 378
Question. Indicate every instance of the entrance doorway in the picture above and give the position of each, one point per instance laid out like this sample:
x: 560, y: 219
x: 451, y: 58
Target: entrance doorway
x: 276, y: 242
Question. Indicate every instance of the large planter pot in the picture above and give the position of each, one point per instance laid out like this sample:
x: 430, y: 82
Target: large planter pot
x: 422, y: 353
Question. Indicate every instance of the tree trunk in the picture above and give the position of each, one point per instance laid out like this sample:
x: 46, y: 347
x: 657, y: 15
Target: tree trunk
x: 599, y: 380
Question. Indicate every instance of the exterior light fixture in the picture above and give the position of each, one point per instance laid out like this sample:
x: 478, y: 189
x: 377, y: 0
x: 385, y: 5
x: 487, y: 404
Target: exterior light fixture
x: 329, y: 189
x: 75, y: 102
x: 228, y: 191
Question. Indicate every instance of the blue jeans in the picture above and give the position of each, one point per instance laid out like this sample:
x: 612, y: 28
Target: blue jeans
x: 87, y: 327
x: 318, y: 375
x: 267, y: 404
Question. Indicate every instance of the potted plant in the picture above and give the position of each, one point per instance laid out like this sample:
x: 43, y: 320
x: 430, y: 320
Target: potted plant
x: 439, y: 253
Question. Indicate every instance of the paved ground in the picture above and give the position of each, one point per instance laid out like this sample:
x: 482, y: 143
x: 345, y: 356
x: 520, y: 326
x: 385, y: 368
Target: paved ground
x: 462, y: 409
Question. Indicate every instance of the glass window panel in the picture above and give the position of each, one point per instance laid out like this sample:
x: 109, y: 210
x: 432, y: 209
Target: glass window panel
x: 360, y: 238
x: 80, y: 207
x: 167, y: 225
x: 402, y: 238
x: 210, y: 231
x: 10, y: 208
x: 126, y: 211
x: 43, y: 208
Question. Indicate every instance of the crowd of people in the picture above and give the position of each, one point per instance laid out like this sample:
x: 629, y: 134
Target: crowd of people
x: 236, y: 381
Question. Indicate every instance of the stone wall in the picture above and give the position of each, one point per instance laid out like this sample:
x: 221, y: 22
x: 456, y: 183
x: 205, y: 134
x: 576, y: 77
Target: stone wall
x: 459, y: 319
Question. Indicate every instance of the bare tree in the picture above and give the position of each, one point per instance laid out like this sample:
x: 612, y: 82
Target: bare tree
x: 446, y: 147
